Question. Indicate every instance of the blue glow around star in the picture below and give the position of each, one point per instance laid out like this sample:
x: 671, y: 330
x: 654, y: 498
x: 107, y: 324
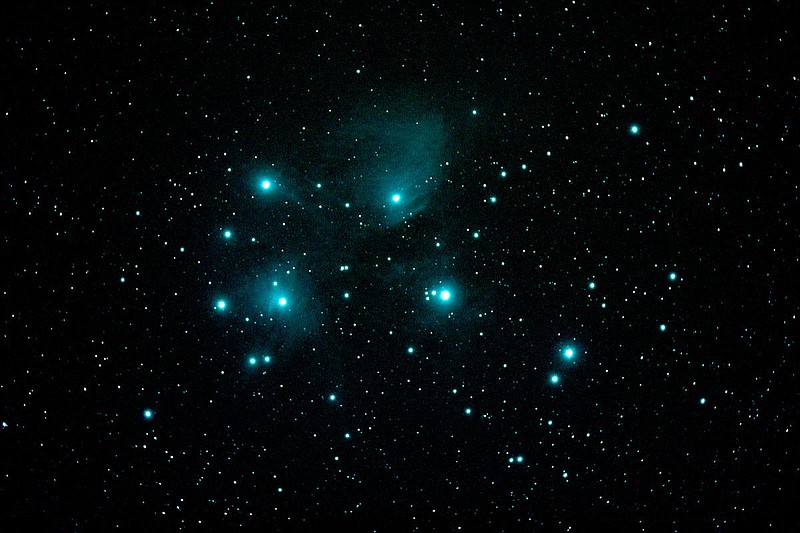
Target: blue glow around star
x: 569, y: 352
x: 634, y: 129
x: 148, y: 413
x: 227, y: 234
x: 221, y: 305
x: 266, y: 184
x: 468, y: 411
x: 396, y: 198
x: 410, y: 349
x: 673, y: 276
x: 554, y: 379
x: 445, y: 295
x: 332, y: 397
x: 282, y: 302
x: 252, y: 361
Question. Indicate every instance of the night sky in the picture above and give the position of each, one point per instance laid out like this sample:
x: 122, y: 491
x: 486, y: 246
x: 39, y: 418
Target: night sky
x: 413, y: 267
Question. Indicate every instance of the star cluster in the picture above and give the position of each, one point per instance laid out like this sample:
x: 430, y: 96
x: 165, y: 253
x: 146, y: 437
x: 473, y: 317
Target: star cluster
x: 520, y: 267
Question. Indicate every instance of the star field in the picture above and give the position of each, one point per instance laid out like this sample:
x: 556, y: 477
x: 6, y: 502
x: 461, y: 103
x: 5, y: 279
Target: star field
x: 406, y: 267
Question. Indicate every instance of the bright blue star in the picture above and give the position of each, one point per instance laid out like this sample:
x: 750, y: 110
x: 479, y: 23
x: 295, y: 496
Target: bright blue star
x: 227, y: 234
x: 663, y: 327
x: 554, y: 379
x: 520, y: 459
x: 702, y: 401
x: 493, y: 199
x: 252, y: 361
x: 282, y: 302
x: 634, y: 129
x: 148, y: 413
x: 347, y: 295
x: 503, y: 173
x: 592, y: 285
x: 467, y: 411
x: 266, y: 184
x: 474, y: 112
x: 444, y: 295
x: 673, y: 276
x: 569, y: 353
x: 396, y: 198
x: 332, y: 397
x: 221, y: 305
x: 410, y: 349
x: 267, y: 359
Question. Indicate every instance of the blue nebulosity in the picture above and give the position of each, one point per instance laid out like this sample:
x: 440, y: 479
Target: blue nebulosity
x: 221, y: 305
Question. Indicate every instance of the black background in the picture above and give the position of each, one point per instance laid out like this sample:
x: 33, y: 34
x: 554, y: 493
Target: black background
x: 109, y: 110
